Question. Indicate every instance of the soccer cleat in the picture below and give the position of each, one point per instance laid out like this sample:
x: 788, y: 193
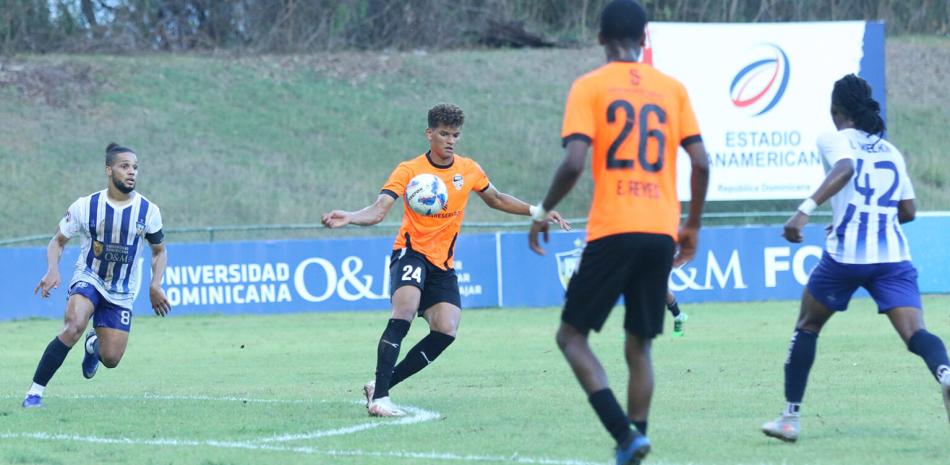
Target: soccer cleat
x: 368, y: 390
x: 678, y: 324
x: 784, y: 427
x: 33, y: 401
x: 638, y: 448
x: 945, y: 389
x: 383, y: 407
x: 90, y: 362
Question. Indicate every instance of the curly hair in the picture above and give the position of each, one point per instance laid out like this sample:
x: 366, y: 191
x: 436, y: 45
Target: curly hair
x: 852, y: 96
x: 446, y: 114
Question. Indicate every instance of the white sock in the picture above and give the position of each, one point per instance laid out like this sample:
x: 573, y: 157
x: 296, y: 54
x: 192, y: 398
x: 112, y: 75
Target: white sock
x: 943, y: 374
x: 792, y: 409
x: 35, y: 390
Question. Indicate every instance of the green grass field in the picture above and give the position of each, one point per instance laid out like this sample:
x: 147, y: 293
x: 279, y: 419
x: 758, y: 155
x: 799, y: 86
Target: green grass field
x: 215, y: 390
x: 282, y: 139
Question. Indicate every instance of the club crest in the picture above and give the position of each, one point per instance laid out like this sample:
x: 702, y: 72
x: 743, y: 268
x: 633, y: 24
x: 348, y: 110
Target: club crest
x: 568, y: 262
x: 140, y: 228
x: 97, y: 248
x: 457, y: 181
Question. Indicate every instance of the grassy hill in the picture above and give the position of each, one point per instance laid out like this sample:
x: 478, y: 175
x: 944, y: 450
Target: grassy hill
x: 281, y: 139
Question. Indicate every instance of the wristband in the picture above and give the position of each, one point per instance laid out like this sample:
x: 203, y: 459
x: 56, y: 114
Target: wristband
x: 807, y: 206
x: 538, y: 213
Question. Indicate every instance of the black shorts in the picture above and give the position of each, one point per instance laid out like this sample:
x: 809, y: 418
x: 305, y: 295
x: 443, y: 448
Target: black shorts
x: 635, y: 265
x: 410, y: 268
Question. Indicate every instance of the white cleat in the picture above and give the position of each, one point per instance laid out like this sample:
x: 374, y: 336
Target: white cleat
x: 383, y: 407
x: 368, y: 389
x: 945, y: 389
x: 784, y: 427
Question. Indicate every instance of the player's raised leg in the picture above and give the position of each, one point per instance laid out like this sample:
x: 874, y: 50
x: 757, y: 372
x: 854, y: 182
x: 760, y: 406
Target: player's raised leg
x: 78, y: 310
x: 679, y: 317
x: 443, y: 321
x: 801, y: 355
x: 405, y: 303
x: 909, y: 323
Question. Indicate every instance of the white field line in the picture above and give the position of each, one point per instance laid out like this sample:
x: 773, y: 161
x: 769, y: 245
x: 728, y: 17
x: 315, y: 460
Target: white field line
x: 416, y: 415
x: 148, y: 396
x: 444, y: 456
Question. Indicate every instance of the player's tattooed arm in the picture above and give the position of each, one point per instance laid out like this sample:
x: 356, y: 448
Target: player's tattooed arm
x: 368, y: 216
x: 54, y: 251
x: 160, y: 304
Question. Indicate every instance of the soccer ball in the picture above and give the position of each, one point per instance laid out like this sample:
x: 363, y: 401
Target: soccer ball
x: 426, y: 194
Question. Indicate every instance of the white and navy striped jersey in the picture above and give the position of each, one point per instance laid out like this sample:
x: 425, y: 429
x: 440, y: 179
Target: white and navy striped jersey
x: 112, y: 240
x: 865, y: 228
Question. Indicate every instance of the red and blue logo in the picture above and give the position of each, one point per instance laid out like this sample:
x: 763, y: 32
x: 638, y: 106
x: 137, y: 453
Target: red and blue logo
x: 759, y: 86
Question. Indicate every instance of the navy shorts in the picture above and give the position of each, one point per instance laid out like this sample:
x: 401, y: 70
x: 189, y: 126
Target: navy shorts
x: 410, y: 268
x: 106, y: 314
x: 891, y: 285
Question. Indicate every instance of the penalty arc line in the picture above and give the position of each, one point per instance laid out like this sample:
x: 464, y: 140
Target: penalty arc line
x: 418, y: 416
x: 446, y: 456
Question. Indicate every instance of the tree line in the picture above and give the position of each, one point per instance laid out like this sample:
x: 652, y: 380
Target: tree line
x: 289, y: 26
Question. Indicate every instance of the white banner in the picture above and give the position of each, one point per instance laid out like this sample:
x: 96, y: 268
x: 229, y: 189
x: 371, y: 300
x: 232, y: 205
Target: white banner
x: 762, y: 95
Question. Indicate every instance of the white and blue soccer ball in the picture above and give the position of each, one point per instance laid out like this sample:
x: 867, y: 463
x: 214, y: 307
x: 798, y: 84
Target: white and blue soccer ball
x: 426, y: 194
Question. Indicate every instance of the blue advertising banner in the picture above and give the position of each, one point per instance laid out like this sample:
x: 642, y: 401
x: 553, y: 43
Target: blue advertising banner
x: 258, y: 277
x: 494, y: 270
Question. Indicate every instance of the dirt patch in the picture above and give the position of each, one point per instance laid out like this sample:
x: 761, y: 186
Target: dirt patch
x: 55, y: 84
x: 349, y: 66
x: 918, y: 72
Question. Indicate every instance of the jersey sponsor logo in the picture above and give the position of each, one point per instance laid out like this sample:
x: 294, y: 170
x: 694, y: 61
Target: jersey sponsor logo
x: 568, y: 262
x: 760, y: 84
x: 458, y: 181
x: 118, y: 253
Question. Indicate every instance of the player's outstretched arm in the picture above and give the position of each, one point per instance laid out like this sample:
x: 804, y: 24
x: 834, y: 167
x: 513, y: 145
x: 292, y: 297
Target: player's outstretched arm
x: 688, y: 238
x: 837, y: 178
x: 54, y: 251
x: 160, y: 304
x: 511, y: 204
x: 567, y: 174
x: 368, y: 216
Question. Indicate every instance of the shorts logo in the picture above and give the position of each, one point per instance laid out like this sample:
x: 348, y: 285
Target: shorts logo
x: 457, y: 181
x: 97, y: 248
x: 568, y: 262
x: 760, y: 84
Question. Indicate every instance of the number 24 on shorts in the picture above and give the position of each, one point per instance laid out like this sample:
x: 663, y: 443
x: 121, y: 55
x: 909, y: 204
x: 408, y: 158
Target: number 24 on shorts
x: 410, y: 272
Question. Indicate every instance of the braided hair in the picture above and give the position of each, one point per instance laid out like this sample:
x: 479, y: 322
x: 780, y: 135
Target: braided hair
x: 114, y: 149
x: 852, y: 97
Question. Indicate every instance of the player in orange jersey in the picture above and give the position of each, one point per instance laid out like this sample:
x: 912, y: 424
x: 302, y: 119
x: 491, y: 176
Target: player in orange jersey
x: 424, y: 281
x: 635, y: 117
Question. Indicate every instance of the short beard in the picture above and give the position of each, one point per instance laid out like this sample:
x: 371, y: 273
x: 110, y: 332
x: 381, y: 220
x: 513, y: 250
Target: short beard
x: 121, y: 187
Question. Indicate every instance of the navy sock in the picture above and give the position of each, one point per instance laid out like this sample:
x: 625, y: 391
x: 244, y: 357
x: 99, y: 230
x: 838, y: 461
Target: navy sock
x: 386, y: 354
x: 611, y: 415
x: 421, y: 355
x: 51, y: 360
x: 674, y: 309
x: 930, y: 348
x: 641, y: 426
x: 801, y: 355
